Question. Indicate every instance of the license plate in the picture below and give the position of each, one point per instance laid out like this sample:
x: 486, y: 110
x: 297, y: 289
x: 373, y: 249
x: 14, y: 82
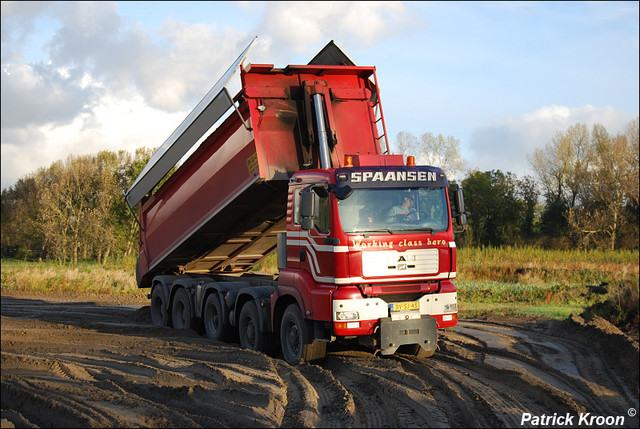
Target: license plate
x: 404, y: 306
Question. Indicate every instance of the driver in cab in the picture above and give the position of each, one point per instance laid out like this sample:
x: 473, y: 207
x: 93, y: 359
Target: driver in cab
x: 404, y: 212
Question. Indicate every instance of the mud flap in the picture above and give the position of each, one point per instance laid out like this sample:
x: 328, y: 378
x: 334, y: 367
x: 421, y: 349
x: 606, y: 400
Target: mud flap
x: 394, y: 334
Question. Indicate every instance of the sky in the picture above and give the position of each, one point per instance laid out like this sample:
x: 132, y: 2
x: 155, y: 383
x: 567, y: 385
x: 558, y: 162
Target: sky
x: 501, y: 77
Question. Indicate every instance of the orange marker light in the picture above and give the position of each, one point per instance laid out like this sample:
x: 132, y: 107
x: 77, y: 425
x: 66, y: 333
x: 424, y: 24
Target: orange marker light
x: 348, y: 161
x: 411, y: 160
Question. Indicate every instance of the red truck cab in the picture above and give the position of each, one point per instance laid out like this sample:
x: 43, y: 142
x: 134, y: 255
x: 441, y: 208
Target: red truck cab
x: 370, y: 248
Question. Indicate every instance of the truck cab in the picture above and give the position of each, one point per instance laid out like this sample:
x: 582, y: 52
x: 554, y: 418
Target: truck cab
x: 370, y: 248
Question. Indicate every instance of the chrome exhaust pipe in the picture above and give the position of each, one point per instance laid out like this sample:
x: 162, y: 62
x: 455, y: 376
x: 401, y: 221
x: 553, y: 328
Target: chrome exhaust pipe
x: 325, y: 157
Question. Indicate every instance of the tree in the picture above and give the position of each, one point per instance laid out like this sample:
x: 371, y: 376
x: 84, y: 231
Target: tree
x: 591, y: 185
x: 22, y: 234
x: 73, y: 209
x: 68, y: 206
x: 562, y: 169
x: 129, y: 167
x: 612, y: 188
x: 630, y: 182
x: 494, y: 209
x: 438, y: 151
x: 104, y: 185
x: 528, y: 195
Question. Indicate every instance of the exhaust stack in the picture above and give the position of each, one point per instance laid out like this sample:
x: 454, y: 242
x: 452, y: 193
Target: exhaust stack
x: 325, y: 156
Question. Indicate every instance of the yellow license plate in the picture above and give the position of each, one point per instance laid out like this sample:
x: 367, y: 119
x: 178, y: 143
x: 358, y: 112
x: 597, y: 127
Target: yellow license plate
x: 404, y: 306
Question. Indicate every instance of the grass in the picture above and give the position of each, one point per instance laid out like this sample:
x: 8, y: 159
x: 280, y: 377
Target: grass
x: 477, y: 309
x: 53, y: 277
x: 268, y: 265
x: 551, y: 300
x: 526, y: 265
x: 550, y: 283
x: 507, y: 281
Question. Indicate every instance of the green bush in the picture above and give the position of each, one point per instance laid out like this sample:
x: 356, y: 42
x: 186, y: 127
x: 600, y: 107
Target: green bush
x: 620, y: 304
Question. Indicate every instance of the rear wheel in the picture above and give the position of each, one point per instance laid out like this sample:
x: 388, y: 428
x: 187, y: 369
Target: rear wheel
x: 181, y: 310
x: 213, y: 321
x: 416, y: 350
x: 296, y: 338
x: 159, y: 315
x: 249, y: 328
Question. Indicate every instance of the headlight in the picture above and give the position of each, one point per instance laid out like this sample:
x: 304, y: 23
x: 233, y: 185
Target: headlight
x: 448, y: 308
x: 347, y: 315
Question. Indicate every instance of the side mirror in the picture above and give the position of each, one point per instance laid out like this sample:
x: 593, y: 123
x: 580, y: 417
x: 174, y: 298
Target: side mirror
x: 307, y: 209
x: 461, y: 219
x: 458, y: 202
x: 344, y: 192
x: 321, y: 191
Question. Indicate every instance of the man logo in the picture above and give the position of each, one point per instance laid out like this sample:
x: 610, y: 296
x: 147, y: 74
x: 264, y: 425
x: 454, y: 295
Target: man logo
x: 402, y: 264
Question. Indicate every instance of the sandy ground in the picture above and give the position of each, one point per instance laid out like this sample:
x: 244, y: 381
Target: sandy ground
x: 90, y: 361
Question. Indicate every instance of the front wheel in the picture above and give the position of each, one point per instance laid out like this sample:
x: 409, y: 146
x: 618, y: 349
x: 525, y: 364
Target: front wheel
x: 296, y: 338
x: 416, y: 350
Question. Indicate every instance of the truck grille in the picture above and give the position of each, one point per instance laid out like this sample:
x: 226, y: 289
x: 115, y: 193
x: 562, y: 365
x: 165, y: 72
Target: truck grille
x: 387, y: 263
x: 400, y: 297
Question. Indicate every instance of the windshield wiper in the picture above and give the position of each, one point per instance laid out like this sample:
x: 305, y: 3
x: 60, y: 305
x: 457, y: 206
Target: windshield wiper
x: 425, y: 230
x: 373, y: 231
x: 397, y: 231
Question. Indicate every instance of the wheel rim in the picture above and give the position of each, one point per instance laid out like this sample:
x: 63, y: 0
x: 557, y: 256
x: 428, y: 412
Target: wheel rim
x: 293, y: 339
x: 251, y: 333
x: 158, y: 310
x: 212, y: 319
x: 181, y: 317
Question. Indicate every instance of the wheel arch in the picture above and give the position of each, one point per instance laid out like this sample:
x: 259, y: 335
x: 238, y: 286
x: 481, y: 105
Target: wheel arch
x: 217, y: 288
x: 188, y: 284
x: 261, y: 297
x: 279, y: 308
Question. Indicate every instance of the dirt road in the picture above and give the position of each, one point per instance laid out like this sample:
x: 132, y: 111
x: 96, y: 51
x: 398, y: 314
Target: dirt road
x: 87, y: 362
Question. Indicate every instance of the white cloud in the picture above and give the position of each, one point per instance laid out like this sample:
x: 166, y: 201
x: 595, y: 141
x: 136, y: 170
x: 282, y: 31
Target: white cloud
x: 106, y: 85
x: 120, y: 121
x: 301, y: 27
x: 173, y: 67
x: 103, y: 81
x: 40, y: 94
x: 505, y: 144
x: 109, y: 83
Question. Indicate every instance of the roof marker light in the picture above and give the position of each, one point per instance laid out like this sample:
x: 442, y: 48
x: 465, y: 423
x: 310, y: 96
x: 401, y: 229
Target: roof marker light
x: 411, y: 160
x: 348, y: 161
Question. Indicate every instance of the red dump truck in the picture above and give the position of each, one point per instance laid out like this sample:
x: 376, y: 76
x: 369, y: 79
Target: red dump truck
x: 365, y: 242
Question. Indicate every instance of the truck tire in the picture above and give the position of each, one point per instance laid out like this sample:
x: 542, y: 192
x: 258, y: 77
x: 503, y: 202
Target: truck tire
x: 249, y: 328
x: 181, y: 310
x: 213, y: 321
x: 159, y: 314
x: 415, y: 350
x: 296, y: 338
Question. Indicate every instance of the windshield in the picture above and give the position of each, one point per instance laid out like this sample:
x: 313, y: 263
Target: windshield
x: 393, y: 210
